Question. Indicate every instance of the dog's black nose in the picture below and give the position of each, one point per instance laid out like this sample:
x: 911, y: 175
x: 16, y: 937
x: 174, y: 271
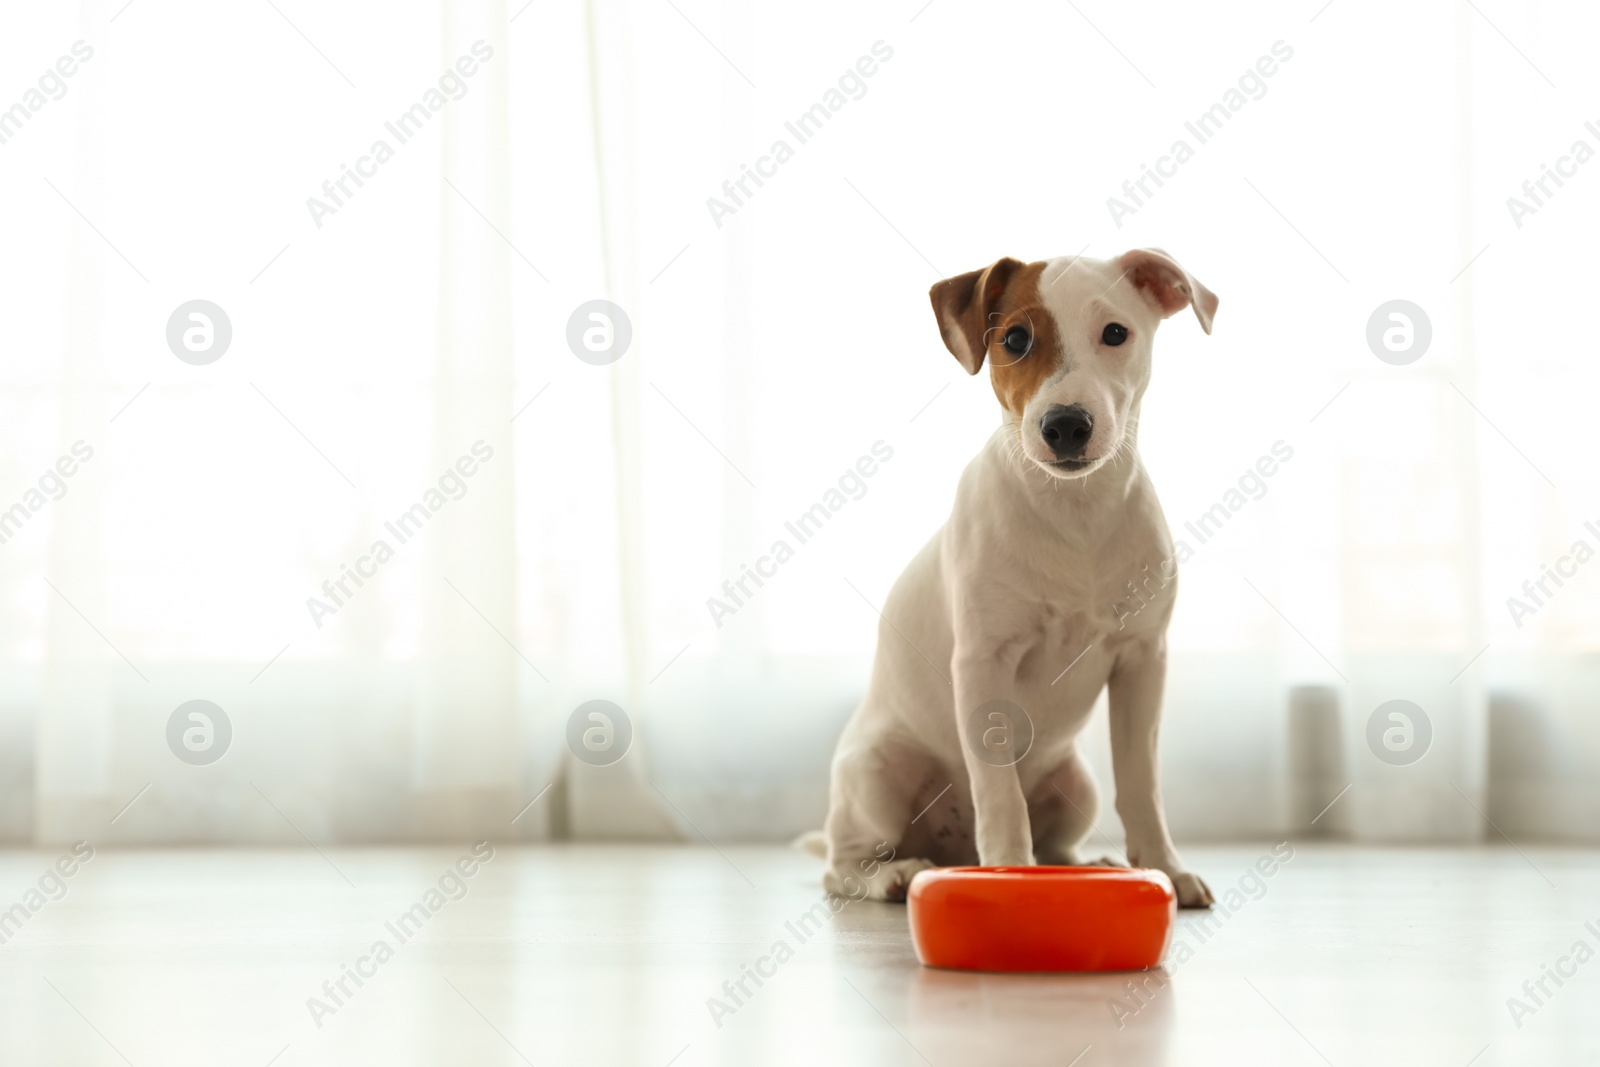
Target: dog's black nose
x: 1066, y: 430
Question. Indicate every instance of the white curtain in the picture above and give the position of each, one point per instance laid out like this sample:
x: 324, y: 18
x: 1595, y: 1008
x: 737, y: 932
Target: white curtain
x: 767, y: 194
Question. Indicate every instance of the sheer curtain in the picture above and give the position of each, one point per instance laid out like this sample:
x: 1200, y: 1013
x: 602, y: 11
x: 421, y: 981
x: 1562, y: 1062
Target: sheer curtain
x: 358, y: 423
x: 383, y: 342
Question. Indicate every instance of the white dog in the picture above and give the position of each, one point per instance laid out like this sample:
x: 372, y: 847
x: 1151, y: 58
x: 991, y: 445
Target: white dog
x: 999, y: 636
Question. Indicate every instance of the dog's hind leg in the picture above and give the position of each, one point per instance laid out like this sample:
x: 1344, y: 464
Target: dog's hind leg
x: 869, y: 808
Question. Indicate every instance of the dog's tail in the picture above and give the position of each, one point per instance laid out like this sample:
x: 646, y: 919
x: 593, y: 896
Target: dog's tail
x: 812, y: 841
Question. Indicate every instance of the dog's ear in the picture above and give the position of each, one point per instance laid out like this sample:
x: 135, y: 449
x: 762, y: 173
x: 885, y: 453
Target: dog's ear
x: 1167, y: 285
x: 963, y: 304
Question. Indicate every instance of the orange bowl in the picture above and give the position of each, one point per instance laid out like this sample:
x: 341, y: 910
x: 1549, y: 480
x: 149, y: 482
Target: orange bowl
x: 1041, y: 918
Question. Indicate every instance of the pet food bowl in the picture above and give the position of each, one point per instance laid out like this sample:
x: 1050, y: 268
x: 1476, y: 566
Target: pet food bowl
x: 1041, y: 918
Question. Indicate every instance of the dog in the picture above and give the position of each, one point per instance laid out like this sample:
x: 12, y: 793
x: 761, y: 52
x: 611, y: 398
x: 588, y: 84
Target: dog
x: 998, y: 637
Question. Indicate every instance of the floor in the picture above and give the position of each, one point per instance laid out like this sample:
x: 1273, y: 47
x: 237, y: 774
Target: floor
x: 613, y: 954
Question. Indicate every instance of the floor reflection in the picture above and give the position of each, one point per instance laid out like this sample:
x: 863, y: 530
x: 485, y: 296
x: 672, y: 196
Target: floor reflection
x: 1125, y: 1017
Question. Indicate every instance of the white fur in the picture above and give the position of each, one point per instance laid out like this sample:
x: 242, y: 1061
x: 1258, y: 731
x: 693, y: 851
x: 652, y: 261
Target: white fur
x: 1018, y: 584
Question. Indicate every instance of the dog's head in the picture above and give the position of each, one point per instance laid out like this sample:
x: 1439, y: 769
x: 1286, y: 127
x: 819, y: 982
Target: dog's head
x: 1068, y: 344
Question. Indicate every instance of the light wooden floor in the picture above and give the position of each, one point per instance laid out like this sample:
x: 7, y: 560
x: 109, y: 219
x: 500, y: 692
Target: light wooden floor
x: 608, y: 955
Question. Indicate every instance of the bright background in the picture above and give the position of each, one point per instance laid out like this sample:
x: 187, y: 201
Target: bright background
x: 768, y: 354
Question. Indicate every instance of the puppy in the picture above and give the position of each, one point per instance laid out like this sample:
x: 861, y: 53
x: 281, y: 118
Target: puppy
x: 999, y: 636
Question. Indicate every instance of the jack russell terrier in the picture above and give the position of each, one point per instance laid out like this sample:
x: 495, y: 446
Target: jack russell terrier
x: 998, y: 638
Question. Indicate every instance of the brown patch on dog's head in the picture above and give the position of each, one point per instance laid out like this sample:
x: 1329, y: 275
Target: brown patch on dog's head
x: 977, y: 311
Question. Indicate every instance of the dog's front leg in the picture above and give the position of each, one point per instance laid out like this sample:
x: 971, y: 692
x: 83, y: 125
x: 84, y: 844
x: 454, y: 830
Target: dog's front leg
x: 1000, y: 811
x: 1135, y: 689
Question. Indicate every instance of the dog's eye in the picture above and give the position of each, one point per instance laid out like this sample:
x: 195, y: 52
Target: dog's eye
x: 1017, y: 341
x: 1114, y: 334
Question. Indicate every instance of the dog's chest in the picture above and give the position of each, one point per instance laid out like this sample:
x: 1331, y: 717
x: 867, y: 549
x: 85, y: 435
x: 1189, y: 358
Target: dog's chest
x: 1089, y: 598
x: 1059, y: 638
x: 1063, y: 624
x: 1073, y: 623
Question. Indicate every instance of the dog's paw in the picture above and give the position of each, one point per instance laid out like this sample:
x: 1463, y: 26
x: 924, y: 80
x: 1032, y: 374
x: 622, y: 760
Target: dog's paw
x: 1192, y: 890
x: 1105, y: 861
x: 889, y: 881
x: 893, y: 879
